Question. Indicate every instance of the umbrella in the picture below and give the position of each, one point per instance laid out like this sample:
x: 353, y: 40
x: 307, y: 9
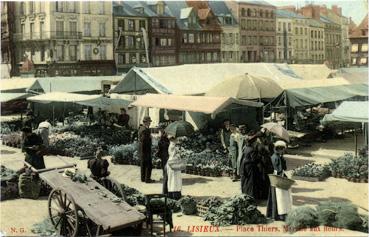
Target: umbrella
x: 278, y: 130
x: 179, y: 129
x: 246, y: 87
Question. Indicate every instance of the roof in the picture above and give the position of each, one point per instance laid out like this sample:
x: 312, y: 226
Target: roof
x: 360, y: 73
x: 315, y: 23
x: 124, y: 9
x: 260, y: 2
x: 181, y: 80
x: 220, y: 9
x: 357, y: 32
x: 288, y: 14
x: 6, y: 97
x: 326, y: 20
x: 149, y: 8
x: 181, y: 11
x: 71, y: 84
x: 16, y: 84
x: 202, y: 104
x: 349, y: 111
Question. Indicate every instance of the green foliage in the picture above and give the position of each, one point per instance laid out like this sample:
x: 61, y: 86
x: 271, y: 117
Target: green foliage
x: 312, y: 170
x: 133, y: 196
x: 123, y: 154
x: 364, y: 225
x: 44, y: 228
x: 188, y: 205
x: 350, y: 166
x: 238, y: 210
x: 339, y: 214
x: 302, y: 217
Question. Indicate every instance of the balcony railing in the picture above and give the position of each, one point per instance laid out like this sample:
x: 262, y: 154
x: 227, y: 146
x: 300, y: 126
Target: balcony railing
x: 48, y: 35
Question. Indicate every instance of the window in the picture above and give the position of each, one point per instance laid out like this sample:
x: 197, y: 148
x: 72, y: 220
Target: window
x: 121, y: 59
x: 208, y: 57
x: 42, y: 54
x: 364, y: 48
x: 102, y: 29
x: 279, y: 26
x: 284, y: 26
x: 142, y: 24
x: 32, y: 29
x: 73, y: 53
x: 163, y: 42
x: 354, y: 48
x: 130, y: 42
x: 121, y: 25
x: 42, y: 29
x: 88, y: 52
x: 363, y: 60
x: 87, y: 29
x: 31, y: 7
x: 21, y: 8
x: 306, y: 31
x: 184, y: 38
x: 42, y: 7
x: 353, y: 61
x: 73, y: 28
x: 60, y: 52
x: 86, y: 7
x: 170, y: 42
x: 131, y: 25
x: 289, y: 27
x: 59, y: 29
x: 142, y: 58
x: 191, y: 38
x: 132, y: 58
x: 71, y: 7
x: 59, y: 6
x: 103, y: 52
x: 102, y: 8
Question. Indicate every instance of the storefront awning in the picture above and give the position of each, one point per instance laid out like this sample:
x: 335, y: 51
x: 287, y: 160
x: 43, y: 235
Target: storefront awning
x: 202, y: 104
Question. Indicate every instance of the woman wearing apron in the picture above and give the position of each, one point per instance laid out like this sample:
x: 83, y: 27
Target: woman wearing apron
x: 279, y: 200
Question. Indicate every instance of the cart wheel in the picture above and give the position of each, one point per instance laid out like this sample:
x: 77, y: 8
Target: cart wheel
x: 113, y: 186
x: 63, y: 213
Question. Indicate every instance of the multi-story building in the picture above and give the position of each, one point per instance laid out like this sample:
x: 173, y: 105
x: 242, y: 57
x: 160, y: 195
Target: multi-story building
x: 359, y: 44
x: 257, y: 30
x: 198, y: 36
x: 230, y: 38
x: 7, y: 30
x: 63, y: 32
x: 161, y: 31
x: 335, y: 14
x: 130, y: 29
x: 333, y: 44
x: 285, y: 39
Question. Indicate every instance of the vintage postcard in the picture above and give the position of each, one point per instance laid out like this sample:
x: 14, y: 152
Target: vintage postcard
x: 184, y: 118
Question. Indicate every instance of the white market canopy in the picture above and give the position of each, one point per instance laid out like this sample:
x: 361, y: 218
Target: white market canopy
x: 202, y: 104
x: 88, y: 100
x: 6, y: 97
x: 71, y: 84
x: 349, y: 111
x: 16, y: 85
x: 197, y: 79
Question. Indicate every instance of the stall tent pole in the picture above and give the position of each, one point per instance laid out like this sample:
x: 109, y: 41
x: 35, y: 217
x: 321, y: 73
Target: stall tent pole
x: 355, y: 134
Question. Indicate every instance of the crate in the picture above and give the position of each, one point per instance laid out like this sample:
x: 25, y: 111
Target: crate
x: 201, y: 210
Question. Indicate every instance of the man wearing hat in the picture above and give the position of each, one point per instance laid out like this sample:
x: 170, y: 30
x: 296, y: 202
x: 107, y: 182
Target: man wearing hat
x: 33, y: 147
x: 144, y: 150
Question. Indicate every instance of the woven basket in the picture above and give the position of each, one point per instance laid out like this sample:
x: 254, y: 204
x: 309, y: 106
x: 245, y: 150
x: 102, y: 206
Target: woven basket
x: 201, y: 210
x: 280, y: 182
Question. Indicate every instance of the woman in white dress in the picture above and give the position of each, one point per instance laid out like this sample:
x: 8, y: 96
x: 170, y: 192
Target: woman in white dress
x: 174, y: 167
x: 279, y: 200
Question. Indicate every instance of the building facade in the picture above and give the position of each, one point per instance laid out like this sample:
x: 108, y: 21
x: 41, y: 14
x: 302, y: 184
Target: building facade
x: 230, y: 37
x: 284, y: 37
x: 257, y: 23
x: 359, y: 44
x: 7, y: 42
x: 63, y: 32
x: 198, y: 35
x: 333, y: 43
x: 130, y: 27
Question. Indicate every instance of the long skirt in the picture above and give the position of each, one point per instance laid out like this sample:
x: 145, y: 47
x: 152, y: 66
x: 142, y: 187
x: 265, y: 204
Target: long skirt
x: 279, y: 203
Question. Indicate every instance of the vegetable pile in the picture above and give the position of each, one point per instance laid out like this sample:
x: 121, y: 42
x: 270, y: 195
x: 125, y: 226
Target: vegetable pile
x: 9, y: 184
x: 313, y: 170
x: 188, y: 205
x: 350, y: 167
x: 12, y: 139
x: 238, y: 210
x: 302, y: 217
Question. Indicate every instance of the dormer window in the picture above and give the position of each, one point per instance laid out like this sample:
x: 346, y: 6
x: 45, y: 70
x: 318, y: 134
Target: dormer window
x: 140, y: 10
x: 160, y: 8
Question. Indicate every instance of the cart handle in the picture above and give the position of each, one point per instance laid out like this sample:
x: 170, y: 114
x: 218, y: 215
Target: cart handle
x: 48, y: 169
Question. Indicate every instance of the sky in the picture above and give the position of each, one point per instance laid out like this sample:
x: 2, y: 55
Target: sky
x: 356, y: 9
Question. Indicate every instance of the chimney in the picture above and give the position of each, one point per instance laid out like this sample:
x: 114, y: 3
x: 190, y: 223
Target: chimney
x: 311, y: 11
x: 337, y: 10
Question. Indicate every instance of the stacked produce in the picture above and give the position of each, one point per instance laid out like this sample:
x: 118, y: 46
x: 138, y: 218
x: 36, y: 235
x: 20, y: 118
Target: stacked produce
x: 313, y: 170
x: 44, y: 228
x: 335, y: 214
x: 124, y: 154
x: 353, y: 168
x: 238, y: 210
x: 133, y: 196
x: 9, y: 184
x: 12, y: 139
x: 188, y: 205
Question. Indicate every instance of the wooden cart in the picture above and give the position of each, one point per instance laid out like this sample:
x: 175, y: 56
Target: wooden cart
x: 87, y: 208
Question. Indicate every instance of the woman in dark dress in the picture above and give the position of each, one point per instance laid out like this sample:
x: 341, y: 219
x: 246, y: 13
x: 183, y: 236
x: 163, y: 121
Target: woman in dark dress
x: 163, y: 146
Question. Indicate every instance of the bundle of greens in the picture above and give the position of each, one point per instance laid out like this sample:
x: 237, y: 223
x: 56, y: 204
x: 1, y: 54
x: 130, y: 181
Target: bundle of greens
x: 133, y: 196
x: 123, y: 154
x: 238, y: 210
x: 312, y: 170
x: 302, y: 217
x: 44, y: 228
x: 188, y: 205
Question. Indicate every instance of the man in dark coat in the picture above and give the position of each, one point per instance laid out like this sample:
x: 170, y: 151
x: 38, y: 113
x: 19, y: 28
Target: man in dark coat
x: 248, y: 169
x: 123, y: 118
x: 33, y: 147
x: 144, y: 150
x: 163, y: 154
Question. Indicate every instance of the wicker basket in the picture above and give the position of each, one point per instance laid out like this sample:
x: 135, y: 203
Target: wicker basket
x: 280, y: 182
x: 201, y: 210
